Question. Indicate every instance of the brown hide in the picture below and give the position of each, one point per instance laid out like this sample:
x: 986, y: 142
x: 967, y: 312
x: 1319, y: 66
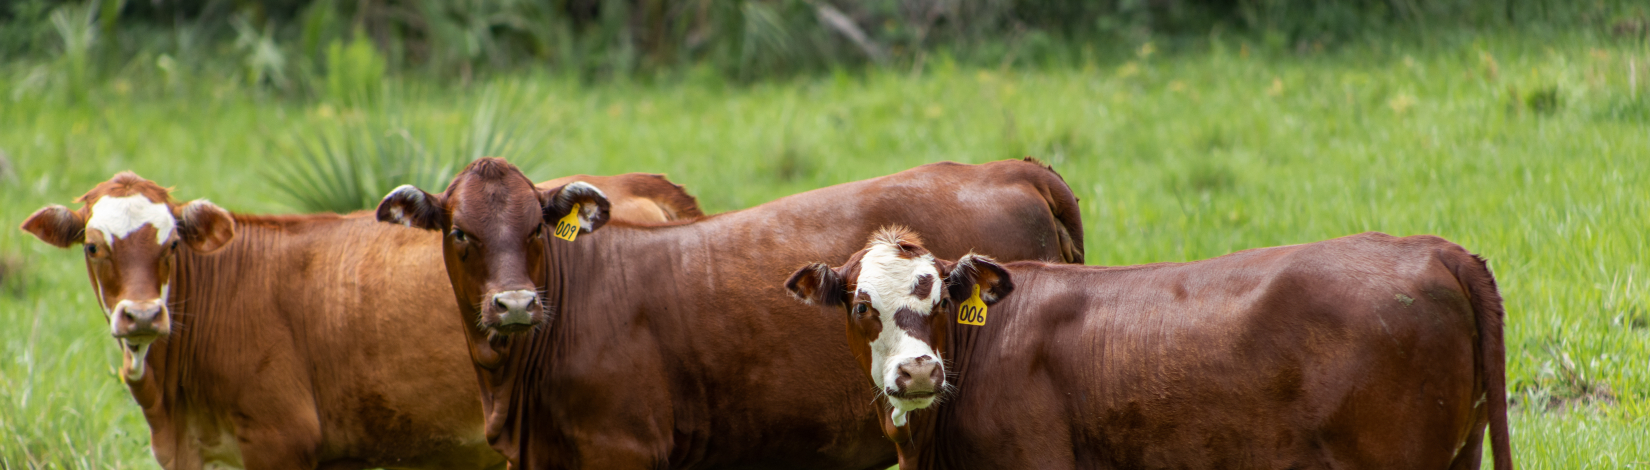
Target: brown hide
x: 1367, y: 351
x: 638, y: 196
x: 671, y: 345
x: 319, y: 341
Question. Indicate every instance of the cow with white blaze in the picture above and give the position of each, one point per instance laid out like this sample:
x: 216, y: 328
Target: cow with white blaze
x: 1367, y: 351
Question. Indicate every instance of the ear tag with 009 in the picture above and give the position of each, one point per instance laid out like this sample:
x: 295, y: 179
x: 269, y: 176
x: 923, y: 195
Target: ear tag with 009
x: 568, y: 227
x: 972, y: 311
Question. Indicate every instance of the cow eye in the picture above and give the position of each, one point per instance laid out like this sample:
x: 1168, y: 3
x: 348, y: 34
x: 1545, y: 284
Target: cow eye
x: 537, y: 231
x: 458, y: 235
x: 91, y: 249
x: 859, y: 309
x: 174, y: 245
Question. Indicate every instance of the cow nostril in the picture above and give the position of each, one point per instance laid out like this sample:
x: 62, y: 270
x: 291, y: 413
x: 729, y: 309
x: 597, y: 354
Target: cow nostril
x: 498, y: 301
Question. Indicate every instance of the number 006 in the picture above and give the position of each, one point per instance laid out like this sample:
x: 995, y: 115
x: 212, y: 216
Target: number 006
x: 970, y: 314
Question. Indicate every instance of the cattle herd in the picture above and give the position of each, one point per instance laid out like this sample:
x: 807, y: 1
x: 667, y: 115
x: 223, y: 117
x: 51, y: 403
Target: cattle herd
x: 939, y: 317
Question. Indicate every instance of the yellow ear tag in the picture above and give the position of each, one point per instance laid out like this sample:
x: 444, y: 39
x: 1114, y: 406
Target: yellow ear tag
x: 972, y: 311
x: 568, y: 227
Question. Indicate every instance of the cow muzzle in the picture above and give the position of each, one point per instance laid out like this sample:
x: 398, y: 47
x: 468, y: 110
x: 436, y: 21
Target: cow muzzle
x: 140, y: 322
x: 512, y: 311
x: 917, y: 381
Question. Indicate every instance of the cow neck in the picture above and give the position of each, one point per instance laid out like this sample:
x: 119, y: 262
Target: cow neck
x: 204, y: 324
x: 596, y: 271
x: 923, y: 442
x: 602, y: 273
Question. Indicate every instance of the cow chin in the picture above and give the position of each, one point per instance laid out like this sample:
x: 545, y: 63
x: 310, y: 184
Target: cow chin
x: 913, y: 401
x: 511, y: 329
x: 904, y: 406
x: 133, y: 342
x: 134, y: 352
x: 510, y: 324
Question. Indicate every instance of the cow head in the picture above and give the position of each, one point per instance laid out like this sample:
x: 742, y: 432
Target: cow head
x: 898, y: 300
x: 130, y: 229
x: 495, y: 224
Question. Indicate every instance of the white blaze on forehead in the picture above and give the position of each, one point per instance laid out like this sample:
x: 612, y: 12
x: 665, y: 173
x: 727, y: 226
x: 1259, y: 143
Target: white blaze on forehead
x: 889, y: 279
x: 118, y: 217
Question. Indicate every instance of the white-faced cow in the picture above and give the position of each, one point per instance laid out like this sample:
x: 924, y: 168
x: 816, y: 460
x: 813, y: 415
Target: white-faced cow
x: 645, y: 346
x: 1367, y: 351
x: 314, y: 341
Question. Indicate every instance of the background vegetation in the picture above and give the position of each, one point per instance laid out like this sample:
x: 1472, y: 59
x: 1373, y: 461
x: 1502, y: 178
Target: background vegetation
x: 1520, y: 129
x: 304, y: 47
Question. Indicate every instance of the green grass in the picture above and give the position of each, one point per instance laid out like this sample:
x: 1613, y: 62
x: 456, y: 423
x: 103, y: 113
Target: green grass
x: 1531, y: 150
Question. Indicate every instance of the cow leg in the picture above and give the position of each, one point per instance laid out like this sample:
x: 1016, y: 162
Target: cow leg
x: 280, y: 446
x: 273, y: 454
x: 610, y: 450
x: 623, y: 461
x: 1472, y: 452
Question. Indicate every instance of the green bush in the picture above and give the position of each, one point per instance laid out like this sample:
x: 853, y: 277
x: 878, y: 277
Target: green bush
x: 355, y: 72
x: 351, y: 161
x: 74, y: 27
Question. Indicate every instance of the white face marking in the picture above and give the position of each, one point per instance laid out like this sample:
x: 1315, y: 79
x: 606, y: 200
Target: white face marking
x: 118, y: 217
x: 888, y: 280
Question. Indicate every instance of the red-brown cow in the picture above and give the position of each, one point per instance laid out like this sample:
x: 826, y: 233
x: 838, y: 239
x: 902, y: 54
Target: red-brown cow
x: 664, y: 345
x: 1367, y: 351
x: 318, y: 341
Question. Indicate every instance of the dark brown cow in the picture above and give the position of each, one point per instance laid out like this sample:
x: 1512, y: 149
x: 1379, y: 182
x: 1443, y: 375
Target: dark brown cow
x: 651, y: 346
x: 1367, y: 351
x: 318, y: 341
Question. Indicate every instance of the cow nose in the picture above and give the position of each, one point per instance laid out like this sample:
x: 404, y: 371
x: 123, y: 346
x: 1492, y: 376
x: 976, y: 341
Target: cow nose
x: 515, y: 305
x: 139, y: 318
x: 919, y: 375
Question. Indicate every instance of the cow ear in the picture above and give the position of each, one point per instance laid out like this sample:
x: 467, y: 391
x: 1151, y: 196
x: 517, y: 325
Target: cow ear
x: 205, y: 226
x: 817, y: 284
x: 412, y: 207
x: 56, y: 225
x: 594, y: 208
x: 975, y: 270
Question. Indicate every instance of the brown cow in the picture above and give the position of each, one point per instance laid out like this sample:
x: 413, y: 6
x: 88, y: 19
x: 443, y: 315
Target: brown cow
x: 317, y: 341
x: 664, y: 345
x: 1367, y: 351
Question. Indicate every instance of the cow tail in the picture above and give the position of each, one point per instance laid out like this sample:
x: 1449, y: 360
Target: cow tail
x: 1063, y: 204
x: 1486, y: 307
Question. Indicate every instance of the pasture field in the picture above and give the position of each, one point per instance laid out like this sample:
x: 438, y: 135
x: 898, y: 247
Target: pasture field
x: 1530, y: 149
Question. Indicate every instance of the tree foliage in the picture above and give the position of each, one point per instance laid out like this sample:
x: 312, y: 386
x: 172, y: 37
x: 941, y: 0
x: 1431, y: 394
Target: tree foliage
x: 744, y: 39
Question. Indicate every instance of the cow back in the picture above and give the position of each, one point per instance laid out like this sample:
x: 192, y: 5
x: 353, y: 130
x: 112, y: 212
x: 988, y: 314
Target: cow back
x: 677, y: 344
x: 1354, y: 352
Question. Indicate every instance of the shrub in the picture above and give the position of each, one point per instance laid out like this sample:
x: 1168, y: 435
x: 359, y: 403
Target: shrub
x: 352, y: 162
x: 354, y: 72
